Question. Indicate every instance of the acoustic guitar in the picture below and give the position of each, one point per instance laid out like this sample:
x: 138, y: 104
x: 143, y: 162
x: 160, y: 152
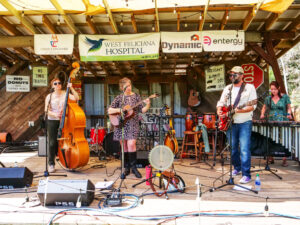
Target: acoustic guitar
x: 224, y: 120
x: 127, y: 111
x: 194, y: 98
x: 170, y: 139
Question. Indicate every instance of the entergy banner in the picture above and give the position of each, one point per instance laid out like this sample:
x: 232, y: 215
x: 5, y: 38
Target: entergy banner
x: 178, y: 42
x: 215, y: 78
x: 39, y: 76
x: 119, y: 47
x: 16, y: 83
x: 53, y: 44
x: 223, y: 41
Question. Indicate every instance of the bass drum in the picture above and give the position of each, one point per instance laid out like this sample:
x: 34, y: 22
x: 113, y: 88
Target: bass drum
x: 111, y: 147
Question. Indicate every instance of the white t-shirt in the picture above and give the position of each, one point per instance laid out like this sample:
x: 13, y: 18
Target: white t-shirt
x: 56, y: 103
x: 248, y: 94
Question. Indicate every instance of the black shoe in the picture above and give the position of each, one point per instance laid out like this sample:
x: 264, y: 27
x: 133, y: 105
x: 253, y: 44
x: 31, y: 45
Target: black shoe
x: 127, y: 171
x: 136, y: 172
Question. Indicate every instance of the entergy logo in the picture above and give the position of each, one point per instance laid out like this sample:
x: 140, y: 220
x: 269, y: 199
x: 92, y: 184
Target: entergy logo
x: 207, y: 40
x: 54, y: 40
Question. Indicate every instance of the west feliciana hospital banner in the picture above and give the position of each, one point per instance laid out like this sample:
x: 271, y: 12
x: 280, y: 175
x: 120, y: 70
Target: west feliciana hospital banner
x: 223, y: 41
x: 177, y: 42
x: 119, y: 47
x: 53, y: 44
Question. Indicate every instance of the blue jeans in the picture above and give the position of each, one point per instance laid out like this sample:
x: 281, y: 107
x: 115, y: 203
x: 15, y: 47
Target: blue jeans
x: 241, y: 137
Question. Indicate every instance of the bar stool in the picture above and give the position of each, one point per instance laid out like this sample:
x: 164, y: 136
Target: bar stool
x: 195, y: 135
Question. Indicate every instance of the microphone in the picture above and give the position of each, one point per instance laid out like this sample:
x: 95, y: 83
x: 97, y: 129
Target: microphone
x: 124, y: 89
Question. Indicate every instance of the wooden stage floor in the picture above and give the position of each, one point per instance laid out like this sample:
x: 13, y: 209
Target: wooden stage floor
x: 282, y: 195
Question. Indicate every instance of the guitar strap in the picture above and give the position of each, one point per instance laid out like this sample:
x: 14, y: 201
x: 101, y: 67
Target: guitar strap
x: 238, y: 97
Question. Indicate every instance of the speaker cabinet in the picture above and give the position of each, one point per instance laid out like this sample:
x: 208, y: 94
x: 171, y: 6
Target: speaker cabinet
x: 15, y: 177
x: 142, y: 158
x: 66, y: 192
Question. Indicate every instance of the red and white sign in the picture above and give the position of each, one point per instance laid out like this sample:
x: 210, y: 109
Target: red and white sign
x: 253, y: 74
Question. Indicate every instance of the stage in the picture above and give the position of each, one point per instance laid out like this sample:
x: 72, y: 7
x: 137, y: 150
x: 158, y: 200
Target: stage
x: 224, y: 206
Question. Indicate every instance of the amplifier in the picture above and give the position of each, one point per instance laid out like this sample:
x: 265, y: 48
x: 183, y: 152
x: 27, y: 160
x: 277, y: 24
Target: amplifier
x: 66, y: 192
x: 15, y: 177
x: 142, y: 158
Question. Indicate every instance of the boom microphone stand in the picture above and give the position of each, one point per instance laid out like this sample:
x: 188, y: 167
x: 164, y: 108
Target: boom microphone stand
x: 45, y: 124
x: 267, y: 167
x: 231, y: 179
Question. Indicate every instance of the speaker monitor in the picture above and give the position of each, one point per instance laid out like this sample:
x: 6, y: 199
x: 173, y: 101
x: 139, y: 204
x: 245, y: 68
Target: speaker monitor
x: 15, y: 177
x: 65, y: 192
x: 142, y: 158
x: 42, y: 146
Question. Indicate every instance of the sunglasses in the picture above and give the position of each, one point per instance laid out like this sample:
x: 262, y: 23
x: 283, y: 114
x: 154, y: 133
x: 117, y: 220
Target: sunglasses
x: 57, y: 83
x: 234, y: 74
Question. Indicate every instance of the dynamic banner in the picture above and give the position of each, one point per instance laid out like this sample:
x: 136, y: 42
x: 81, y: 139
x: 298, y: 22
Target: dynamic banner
x: 214, y: 78
x: 179, y: 42
x: 53, y: 44
x: 15, y: 83
x: 119, y: 47
x: 223, y: 41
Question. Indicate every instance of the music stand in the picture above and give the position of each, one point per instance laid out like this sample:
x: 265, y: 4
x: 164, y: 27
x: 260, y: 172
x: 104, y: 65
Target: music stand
x: 44, y: 124
x: 267, y: 167
x: 230, y: 181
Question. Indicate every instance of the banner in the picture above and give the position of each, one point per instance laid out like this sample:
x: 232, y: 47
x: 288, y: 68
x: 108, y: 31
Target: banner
x: 223, y: 40
x: 179, y: 42
x: 214, y: 78
x: 15, y: 83
x: 119, y: 47
x: 39, y: 76
x: 53, y: 44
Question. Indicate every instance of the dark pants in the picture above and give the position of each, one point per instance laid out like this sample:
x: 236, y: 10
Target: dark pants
x: 52, y: 130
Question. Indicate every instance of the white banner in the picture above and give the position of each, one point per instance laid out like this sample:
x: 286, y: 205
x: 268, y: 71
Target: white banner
x: 179, y: 42
x: 215, y: 78
x: 119, y: 47
x: 15, y: 83
x: 223, y: 40
x: 39, y: 76
x: 53, y: 44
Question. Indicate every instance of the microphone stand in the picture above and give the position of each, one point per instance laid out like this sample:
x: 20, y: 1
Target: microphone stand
x: 231, y: 179
x: 46, y: 172
x: 267, y: 167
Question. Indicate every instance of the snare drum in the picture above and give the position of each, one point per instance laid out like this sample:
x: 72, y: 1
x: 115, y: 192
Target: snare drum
x: 209, y: 119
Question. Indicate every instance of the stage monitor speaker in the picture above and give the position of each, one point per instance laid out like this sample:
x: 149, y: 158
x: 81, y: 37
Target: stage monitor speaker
x: 142, y: 158
x: 15, y: 177
x: 42, y: 146
x: 66, y: 192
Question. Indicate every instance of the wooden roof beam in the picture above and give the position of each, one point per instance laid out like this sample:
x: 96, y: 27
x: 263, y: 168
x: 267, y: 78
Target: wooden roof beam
x: 103, y: 67
x: 156, y: 18
x: 111, y: 18
x: 251, y: 14
x: 224, y: 20
x: 117, y: 65
x: 90, y: 68
x: 28, y: 25
x: 25, y: 54
x: 146, y: 67
x: 91, y: 25
x: 67, y: 19
x: 49, y: 25
x: 271, y: 20
x: 133, y: 69
x: 133, y: 23
x: 10, y: 28
x: 10, y: 54
x: 178, y: 21
x: 201, y: 22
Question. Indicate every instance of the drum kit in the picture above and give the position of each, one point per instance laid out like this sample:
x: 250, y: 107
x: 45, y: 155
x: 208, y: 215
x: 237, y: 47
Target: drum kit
x: 192, y: 120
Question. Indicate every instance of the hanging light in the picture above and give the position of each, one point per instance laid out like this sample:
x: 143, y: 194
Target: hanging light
x: 58, y: 20
x: 121, y: 21
x: 92, y: 18
x: 22, y: 13
x: 174, y: 11
x: 200, y: 16
x: 227, y: 17
x: 166, y: 57
x: 185, y: 25
x: 210, y: 25
x: 153, y: 28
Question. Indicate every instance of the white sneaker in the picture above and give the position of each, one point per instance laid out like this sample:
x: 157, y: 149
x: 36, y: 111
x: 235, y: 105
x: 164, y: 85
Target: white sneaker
x: 245, y: 180
x: 51, y: 169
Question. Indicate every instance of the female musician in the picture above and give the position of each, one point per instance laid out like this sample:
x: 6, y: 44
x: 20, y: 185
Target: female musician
x: 54, y: 104
x: 279, y: 108
x: 131, y: 126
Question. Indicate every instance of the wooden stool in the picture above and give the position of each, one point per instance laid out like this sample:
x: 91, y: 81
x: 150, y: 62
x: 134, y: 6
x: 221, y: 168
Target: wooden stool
x: 185, y: 143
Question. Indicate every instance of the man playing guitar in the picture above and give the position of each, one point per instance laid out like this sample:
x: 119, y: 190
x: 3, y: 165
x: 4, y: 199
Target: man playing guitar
x: 241, y: 93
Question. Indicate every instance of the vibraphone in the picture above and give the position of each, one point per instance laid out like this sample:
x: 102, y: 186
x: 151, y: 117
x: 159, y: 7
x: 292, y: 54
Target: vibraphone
x: 286, y: 133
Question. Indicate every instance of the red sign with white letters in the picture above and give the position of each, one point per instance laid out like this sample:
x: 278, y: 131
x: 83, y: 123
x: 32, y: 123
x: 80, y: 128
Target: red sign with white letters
x: 253, y: 74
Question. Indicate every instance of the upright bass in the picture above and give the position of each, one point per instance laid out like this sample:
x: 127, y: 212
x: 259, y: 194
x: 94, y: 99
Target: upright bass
x: 73, y: 148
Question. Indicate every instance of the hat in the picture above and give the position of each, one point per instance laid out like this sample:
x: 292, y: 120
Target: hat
x: 237, y: 69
